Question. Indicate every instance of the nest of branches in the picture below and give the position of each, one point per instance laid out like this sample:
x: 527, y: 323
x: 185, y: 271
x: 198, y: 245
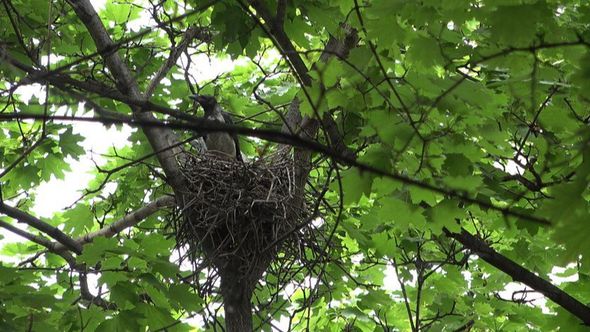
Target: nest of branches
x: 239, y: 215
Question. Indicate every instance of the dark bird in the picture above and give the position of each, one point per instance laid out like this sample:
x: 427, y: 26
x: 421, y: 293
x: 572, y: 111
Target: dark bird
x: 218, y: 141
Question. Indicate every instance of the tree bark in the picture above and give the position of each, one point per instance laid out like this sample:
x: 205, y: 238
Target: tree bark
x: 237, y: 301
x: 519, y: 273
x: 160, y: 138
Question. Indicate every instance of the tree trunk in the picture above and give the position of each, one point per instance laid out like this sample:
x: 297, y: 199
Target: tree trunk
x: 237, y: 298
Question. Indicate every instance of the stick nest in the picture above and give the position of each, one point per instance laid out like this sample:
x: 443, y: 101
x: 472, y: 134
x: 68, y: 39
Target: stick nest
x: 239, y: 213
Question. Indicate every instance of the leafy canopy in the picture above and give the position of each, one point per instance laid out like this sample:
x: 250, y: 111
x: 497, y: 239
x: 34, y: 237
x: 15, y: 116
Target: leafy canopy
x: 486, y: 102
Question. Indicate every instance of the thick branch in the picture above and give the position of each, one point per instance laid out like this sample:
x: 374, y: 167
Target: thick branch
x: 44, y: 227
x: 340, y: 48
x: 518, y: 273
x: 127, y: 221
x: 206, y: 126
x: 54, y: 247
x: 276, y: 31
x: 159, y: 138
x: 50, y: 245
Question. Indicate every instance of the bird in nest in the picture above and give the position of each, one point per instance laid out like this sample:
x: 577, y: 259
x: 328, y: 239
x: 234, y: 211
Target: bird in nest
x: 219, y: 142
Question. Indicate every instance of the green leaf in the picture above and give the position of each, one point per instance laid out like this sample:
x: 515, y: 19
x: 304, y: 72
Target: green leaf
x: 354, y: 185
x: 185, y: 297
x: 517, y: 24
x: 457, y: 165
x: 446, y: 214
x: 419, y: 195
x: 93, y: 252
x: 400, y: 213
x: 425, y: 52
x: 123, y: 294
x: 78, y: 220
x: 120, y: 12
x: 449, y: 93
x: 383, y: 244
x: 112, y: 278
x: 70, y: 144
x: 158, y: 245
x: 52, y: 165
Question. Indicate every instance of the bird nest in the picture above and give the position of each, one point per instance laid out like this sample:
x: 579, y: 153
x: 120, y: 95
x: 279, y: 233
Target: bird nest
x: 239, y: 213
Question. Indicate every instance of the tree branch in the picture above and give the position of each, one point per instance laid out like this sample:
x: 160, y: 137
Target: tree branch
x: 518, y: 273
x: 127, y: 221
x: 175, y: 53
x: 206, y: 126
x: 340, y: 48
x: 54, y: 247
x: 96, y: 300
x: 44, y: 227
x: 282, y: 41
x: 46, y: 243
x: 61, y: 249
x: 159, y: 138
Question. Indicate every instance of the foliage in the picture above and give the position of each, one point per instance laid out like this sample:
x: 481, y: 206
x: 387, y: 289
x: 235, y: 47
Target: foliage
x: 463, y: 115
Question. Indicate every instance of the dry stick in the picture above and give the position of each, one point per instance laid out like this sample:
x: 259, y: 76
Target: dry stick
x: 518, y: 273
x: 205, y: 126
